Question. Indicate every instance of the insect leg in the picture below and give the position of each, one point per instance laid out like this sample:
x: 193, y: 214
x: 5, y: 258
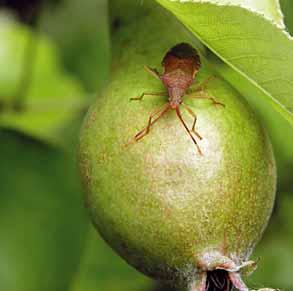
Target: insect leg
x: 187, y: 129
x: 147, y: 130
x: 188, y: 109
x: 160, y: 112
x: 202, y: 86
x: 145, y: 93
x: 204, y: 95
x: 153, y: 72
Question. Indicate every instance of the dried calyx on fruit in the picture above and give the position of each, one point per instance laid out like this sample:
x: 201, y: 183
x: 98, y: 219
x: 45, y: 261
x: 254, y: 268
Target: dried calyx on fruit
x: 218, y: 272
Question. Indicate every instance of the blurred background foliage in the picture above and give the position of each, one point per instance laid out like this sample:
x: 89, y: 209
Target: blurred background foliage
x: 54, y: 60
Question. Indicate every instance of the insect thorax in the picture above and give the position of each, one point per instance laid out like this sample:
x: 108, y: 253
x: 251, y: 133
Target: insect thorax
x: 177, y: 79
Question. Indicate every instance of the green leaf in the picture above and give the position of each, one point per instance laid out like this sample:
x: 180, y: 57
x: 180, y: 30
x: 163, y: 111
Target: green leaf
x: 287, y: 8
x: 49, y: 98
x: 268, y: 8
x: 253, y: 46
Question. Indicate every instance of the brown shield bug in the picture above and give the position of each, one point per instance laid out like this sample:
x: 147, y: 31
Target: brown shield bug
x: 181, y: 64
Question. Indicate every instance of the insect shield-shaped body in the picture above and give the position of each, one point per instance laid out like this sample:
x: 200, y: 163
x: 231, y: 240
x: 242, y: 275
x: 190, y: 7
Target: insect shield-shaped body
x: 180, y: 64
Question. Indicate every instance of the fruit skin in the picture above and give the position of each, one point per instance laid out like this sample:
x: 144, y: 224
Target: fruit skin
x: 157, y: 203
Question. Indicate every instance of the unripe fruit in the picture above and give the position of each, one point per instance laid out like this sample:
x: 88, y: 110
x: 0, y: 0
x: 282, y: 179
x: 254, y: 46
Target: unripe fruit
x: 160, y: 204
x: 168, y: 211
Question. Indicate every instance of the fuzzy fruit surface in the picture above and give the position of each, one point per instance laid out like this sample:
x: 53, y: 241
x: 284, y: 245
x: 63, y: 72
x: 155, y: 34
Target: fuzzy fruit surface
x: 158, y: 203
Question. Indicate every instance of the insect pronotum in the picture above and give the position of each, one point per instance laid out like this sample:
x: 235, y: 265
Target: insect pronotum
x: 181, y: 64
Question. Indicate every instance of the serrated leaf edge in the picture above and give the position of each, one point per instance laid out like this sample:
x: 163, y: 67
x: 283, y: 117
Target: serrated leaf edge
x: 280, y: 25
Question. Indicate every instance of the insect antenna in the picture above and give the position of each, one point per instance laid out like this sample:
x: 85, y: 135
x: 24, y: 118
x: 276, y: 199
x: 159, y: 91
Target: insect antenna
x: 187, y: 129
